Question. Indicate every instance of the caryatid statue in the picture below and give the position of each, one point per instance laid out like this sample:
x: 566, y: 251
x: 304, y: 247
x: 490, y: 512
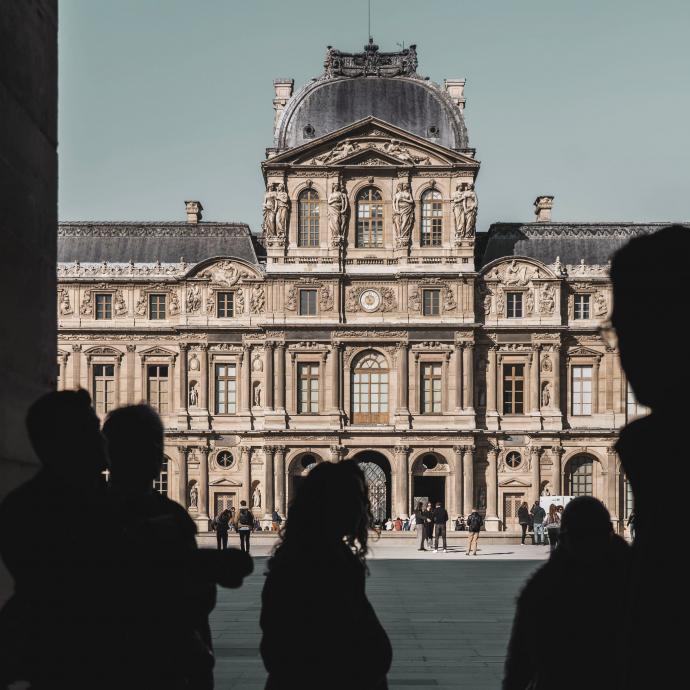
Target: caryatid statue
x: 269, y: 211
x: 337, y: 214
x: 465, y: 210
x: 282, y: 210
x: 403, y: 214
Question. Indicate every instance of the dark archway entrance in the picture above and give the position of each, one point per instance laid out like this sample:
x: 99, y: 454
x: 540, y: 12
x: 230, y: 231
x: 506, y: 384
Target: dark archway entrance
x: 377, y: 473
x: 304, y: 465
x: 429, y: 489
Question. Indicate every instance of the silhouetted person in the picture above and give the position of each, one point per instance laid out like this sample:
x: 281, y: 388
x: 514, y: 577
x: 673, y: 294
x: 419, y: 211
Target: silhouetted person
x: 474, y: 527
x: 537, y: 513
x: 651, y: 291
x: 53, y: 537
x: 162, y: 586
x: 440, y: 518
x: 330, y: 638
x: 420, y: 516
x: 221, y: 525
x: 582, y: 580
x: 523, y: 520
x: 245, y: 525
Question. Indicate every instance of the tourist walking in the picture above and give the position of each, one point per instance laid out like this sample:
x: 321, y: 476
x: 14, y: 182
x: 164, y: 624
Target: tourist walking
x: 474, y: 526
x: 245, y: 523
x: 440, y: 518
x: 523, y: 519
x: 221, y: 526
x: 420, y: 526
x: 538, y: 514
x: 552, y: 523
x: 324, y: 543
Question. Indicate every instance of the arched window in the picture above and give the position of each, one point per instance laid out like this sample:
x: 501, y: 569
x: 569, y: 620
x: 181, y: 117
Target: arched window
x: 161, y: 484
x: 432, y: 219
x: 225, y: 460
x: 308, y: 219
x: 580, y: 477
x: 513, y: 460
x: 370, y: 389
x: 369, y: 218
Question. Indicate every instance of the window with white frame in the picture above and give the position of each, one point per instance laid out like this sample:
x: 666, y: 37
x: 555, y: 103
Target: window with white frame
x: 156, y: 307
x: 514, y: 305
x: 104, y: 387
x: 581, y: 385
x: 432, y: 377
x: 226, y: 388
x: 432, y: 219
x: 104, y: 307
x: 581, y: 304
x: 160, y: 484
x: 307, y: 302
x: 158, y: 387
x: 225, y: 305
x: 308, y: 388
x: 431, y: 302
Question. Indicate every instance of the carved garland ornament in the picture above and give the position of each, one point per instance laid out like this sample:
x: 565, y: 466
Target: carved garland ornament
x: 370, y: 299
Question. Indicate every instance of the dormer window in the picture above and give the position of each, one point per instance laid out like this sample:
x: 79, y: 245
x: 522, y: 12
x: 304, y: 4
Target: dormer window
x: 432, y: 219
x: 582, y: 307
x: 308, y: 219
x: 514, y: 305
x: 370, y: 219
x: 104, y: 307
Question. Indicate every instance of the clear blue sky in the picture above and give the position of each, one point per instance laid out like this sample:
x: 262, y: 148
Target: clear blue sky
x: 167, y: 100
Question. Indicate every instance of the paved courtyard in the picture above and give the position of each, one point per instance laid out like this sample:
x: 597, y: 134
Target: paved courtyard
x: 448, y: 616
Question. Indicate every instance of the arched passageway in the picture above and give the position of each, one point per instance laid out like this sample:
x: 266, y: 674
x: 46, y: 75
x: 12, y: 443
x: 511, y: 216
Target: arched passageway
x: 377, y: 473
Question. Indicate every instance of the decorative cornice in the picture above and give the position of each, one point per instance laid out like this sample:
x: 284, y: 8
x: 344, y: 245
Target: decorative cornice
x: 174, y: 229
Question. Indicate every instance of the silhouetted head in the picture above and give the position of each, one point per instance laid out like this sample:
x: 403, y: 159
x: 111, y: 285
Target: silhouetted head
x: 585, y: 525
x: 650, y: 290
x: 243, y: 504
x: 438, y: 504
x: 331, y: 507
x: 420, y: 506
x: 135, y: 445
x: 65, y: 433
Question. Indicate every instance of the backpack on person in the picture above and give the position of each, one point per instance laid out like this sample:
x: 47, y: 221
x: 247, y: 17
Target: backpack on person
x: 474, y: 522
x: 245, y: 519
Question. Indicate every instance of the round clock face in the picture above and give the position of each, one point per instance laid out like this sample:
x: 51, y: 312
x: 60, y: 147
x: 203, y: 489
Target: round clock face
x: 370, y: 300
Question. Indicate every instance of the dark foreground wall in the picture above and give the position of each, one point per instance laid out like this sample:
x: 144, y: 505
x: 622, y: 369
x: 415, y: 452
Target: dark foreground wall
x: 28, y: 222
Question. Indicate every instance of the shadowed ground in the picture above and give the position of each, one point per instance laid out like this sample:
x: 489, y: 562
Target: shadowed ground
x: 448, y: 619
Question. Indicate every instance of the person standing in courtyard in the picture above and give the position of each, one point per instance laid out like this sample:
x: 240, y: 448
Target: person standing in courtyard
x: 440, y: 518
x: 420, y: 526
x: 523, y: 520
x: 221, y: 525
x: 324, y: 543
x: 429, y: 525
x: 245, y: 524
x: 553, y: 526
x: 474, y: 526
x: 276, y: 521
x: 538, y: 514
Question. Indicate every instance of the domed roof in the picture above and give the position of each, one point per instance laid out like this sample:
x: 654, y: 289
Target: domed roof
x: 383, y: 85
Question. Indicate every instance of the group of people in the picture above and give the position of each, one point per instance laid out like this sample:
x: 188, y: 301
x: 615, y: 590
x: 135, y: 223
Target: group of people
x: 545, y: 526
x: 430, y: 523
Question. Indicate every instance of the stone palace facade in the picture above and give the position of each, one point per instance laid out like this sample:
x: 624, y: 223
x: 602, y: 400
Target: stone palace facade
x: 368, y: 320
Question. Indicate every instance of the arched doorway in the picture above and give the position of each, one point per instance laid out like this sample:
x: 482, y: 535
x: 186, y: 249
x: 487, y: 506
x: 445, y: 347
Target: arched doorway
x: 300, y: 467
x: 377, y: 474
x: 429, y: 473
x: 580, y: 475
x: 370, y: 389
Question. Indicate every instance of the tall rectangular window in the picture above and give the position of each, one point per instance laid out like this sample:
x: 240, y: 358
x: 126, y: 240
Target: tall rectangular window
x: 158, y: 387
x: 633, y: 408
x: 581, y: 306
x: 104, y: 387
x: 225, y: 305
x: 432, y: 219
x: 431, y: 387
x: 104, y: 306
x: 156, y: 307
x: 514, y: 305
x: 582, y: 390
x: 369, y: 218
x: 308, y: 391
x: 307, y: 302
x: 226, y: 388
x: 513, y: 388
x: 431, y: 302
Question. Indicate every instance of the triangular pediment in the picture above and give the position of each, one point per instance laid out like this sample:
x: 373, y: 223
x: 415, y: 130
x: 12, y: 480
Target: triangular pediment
x: 583, y: 352
x: 371, y: 142
x: 158, y: 352
x: 514, y: 483
x: 225, y: 482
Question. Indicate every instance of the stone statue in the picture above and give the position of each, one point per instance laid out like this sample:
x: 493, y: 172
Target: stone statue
x: 256, y: 498
x: 546, y: 364
x: 464, y: 210
x: 514, y: 274
x: 600, y: 305
x: 194, y: 363
x: 140, y: 308
x: 337, y: 214
x: 258, y: 300
x: 257, y: 395
x: 548, y: 300
x: 120, y: 306
x: 546, y: 395
x: 193, y: 298
x: 282, y: 202
x: 86, y: 308
x: 269, y: 211
x: 65, y: 306
x: 194, y: 497
x: 174, y: 305
x: 529, y: 302
x: 193, y: 395
x: 403, y: 214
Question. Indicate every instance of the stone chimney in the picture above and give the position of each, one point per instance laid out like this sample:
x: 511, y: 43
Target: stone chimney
x: 194, y: 209
x: 456, y: 90
x: 542, y: 208
x: 283, y: 89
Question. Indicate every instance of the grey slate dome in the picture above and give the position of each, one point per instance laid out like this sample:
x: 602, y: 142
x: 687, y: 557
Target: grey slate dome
x: 383, y: 85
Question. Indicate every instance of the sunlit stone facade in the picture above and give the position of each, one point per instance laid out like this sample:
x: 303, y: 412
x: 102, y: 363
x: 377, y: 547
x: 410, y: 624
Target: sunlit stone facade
x: 369, y: 320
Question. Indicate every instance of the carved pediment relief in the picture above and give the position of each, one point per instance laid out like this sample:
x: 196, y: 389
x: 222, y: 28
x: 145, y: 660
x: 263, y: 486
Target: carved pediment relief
x: 514, y: 483
x: 226, y: 273
x: 224, y: 482
x: 157, y: 352
x: 584, y: 352
x: 103, y: 351
x: 517, y: 273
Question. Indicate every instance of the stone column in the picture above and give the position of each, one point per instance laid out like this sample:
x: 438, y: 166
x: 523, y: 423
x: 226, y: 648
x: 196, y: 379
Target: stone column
x: 131, y: 363
x: 556, y: 455
x: 557, y: 377
x: 63, y: 372
x: 335, y: 378
x: 534, y: 392
x: 401, y: 481
x: 203, y: 488
x: 468, y: 372
x: 203, y: 384
x: 76, y: 367
x: 595, y: 386
x: 245, y: 360
x: 279, y: 355
x: 279, y: 470
x: 268, y: 374
x: 246, y: 455
x: 468, y: 478
x: 612, y: 500
x: 182, y: 459
x: 457, y: 506
x: 527, y: 394
x: 184, y: 392
x: 403, y: 378
x: 534, y: 453
x: 269, y: 486
x: 491, y: 383
x: 492, y: 522
x: 459, y: 387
